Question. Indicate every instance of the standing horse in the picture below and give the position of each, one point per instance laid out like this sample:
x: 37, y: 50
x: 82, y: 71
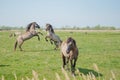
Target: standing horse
x: 69, y: 52
x: 52, y: 36
x: 30, y: 32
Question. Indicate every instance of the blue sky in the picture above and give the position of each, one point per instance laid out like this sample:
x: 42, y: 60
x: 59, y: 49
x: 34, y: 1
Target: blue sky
x: 60, y: 12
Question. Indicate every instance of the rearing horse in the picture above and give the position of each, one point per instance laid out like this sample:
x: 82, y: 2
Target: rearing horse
x: 52, y: 36
x: 30, y: 32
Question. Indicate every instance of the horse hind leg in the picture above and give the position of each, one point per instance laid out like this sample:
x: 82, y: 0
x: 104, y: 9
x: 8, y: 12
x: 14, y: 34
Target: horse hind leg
x: 15, y: 46
x: 20, y: 44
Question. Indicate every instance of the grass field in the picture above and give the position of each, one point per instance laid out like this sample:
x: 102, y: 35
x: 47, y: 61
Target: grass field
x: 100, y: 48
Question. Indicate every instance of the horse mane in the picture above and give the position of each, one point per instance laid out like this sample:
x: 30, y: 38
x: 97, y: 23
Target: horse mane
x: 28, y: 26
x: 71, y: 39
x: 52, y: 30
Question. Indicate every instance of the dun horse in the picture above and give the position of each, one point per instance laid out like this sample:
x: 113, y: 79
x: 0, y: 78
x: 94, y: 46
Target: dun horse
x: 15, y: 34
x: 30, y: 32
x: 69, y: 52
x: 52, y: 36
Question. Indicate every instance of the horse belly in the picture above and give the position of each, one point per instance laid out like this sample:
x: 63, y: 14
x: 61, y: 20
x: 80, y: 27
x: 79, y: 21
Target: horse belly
x: 27, y: 36
x: 56, y: 38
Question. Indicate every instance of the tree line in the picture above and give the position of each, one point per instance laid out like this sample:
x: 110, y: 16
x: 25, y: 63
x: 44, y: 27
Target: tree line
x: 97, y: 27
x: 11, y: 28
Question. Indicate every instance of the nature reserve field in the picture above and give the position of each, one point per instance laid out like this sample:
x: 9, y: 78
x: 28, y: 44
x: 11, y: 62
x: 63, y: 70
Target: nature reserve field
x: 99, y: 53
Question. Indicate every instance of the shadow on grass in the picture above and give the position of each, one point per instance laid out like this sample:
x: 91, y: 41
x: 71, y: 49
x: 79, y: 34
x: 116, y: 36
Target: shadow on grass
x: 87, y: 71
x: 4, y: 65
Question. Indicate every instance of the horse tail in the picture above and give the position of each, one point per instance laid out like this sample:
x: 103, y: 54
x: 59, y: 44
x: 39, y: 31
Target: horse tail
x: 15, y: 45
x: 11, y: 35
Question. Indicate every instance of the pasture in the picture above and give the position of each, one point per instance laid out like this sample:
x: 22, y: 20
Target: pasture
x: 100, y: 48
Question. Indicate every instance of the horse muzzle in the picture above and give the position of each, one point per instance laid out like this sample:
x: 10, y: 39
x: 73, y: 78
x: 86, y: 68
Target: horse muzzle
x: 38, y: 27
x: 67, y: 51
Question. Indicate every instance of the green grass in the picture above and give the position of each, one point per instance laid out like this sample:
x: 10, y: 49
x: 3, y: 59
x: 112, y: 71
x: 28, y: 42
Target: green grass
x: 101, y: 48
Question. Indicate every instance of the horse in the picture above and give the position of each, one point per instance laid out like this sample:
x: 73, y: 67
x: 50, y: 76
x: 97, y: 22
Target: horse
x: 15, y: 34
x: 30, y: 32
x: 52, y: 36
x: 69, y: 52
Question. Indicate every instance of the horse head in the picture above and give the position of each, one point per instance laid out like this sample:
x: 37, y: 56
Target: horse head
x: 71, y: 44
x: 49, y: 28
x: 34, y: 25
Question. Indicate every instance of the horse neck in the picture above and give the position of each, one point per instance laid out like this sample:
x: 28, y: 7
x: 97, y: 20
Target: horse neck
x: 74, y: 48
x: 32, y: 28
x: 50, y: 32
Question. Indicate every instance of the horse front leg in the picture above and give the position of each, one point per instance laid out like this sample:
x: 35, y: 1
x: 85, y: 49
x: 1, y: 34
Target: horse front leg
x: 40, y: 33
x: 46, y: 38
x: 74, y: 63
x: 56, y: 44
x: 72, y: 67
x: 67, y: 63
x: 64, y: 61
x: 51, y: 41
x: 49, y: 38
x: 37, y: 36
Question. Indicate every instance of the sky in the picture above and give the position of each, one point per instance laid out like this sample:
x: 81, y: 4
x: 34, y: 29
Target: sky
x: 60, y: 13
